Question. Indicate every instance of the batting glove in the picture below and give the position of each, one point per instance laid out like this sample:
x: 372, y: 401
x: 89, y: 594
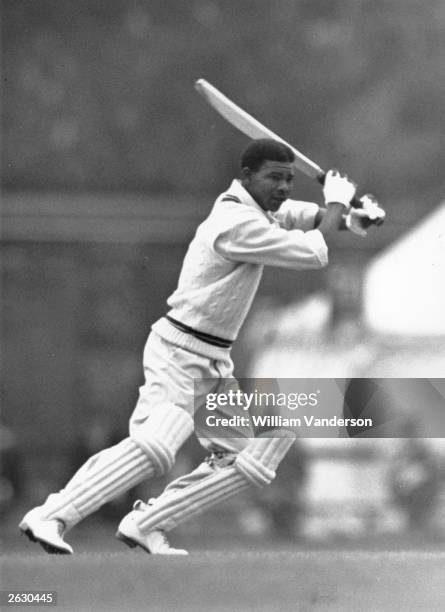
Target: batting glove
x: 359, y: 219
x: 338, y: 188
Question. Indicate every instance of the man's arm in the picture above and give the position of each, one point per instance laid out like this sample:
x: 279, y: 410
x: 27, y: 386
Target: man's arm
x: 297, y: 214
x: 320, y: 215
x: 358, y: 220
x: 252, y: 239
x: 338, y: 192
x: 306, y: 216
x: 332, y: 220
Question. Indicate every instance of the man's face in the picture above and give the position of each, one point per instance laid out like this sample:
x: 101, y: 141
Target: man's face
x: 270, y: 185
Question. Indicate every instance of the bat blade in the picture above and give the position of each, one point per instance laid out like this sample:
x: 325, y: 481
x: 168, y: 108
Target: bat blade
x: 250, y: 126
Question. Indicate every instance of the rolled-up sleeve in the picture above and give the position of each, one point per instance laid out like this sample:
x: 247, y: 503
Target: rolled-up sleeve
x: 295, y: 214
x: 254, y: 240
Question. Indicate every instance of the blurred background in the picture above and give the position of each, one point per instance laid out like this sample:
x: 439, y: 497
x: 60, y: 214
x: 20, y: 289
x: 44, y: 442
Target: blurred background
x: 109, y: 162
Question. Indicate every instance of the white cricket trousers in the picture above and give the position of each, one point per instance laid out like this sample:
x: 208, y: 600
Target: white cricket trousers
x: 243, y: 460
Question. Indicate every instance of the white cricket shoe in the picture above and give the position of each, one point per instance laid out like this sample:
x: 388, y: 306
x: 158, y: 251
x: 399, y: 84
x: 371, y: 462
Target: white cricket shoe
x: 155, y: 542
x: 48, y: 532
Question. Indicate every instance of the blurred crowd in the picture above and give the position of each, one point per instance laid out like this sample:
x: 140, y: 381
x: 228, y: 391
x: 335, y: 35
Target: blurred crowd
x: 98, y: 96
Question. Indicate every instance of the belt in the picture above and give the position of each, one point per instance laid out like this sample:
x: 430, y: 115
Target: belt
x: 214, y: 340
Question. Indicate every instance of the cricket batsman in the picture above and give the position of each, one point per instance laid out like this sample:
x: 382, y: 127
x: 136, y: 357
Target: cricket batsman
x: 252, y: 224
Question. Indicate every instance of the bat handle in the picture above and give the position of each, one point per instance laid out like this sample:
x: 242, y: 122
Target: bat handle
x: 355, y: 202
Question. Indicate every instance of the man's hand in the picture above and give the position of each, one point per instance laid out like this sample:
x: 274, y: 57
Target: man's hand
x: 359, y: 219
x: 338, y: 188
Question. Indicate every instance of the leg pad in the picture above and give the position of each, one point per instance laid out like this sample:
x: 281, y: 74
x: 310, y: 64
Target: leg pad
x: 162, y: 434
x: 259, y: 460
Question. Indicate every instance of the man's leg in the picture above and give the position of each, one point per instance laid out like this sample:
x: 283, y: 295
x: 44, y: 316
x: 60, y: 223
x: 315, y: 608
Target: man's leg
x: 156, y: 542
x: 156, y: 434
x: 241, y: 461
x: 254, y: 465
x: 148, y: 452
x: 206, y: 376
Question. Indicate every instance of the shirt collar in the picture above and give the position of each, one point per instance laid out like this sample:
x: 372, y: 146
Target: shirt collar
x: 238, y: 190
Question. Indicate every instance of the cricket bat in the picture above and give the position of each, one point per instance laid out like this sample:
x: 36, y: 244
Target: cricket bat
x: 250, y: 126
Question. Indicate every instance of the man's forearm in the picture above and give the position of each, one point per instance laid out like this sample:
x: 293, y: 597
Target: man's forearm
x: 332, y: 219
x: 320, y: 215
x: 338, y: 192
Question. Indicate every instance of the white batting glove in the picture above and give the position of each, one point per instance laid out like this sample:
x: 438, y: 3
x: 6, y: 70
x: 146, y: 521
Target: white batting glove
x: 338, y: 188
x: 372, y: 208
x: 359, y: 219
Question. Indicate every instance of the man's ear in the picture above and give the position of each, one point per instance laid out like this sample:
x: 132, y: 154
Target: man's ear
x: 246, y: 173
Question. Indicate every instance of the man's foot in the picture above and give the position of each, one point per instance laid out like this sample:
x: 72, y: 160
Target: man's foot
x: 49, y: 533
x: 155, y: 542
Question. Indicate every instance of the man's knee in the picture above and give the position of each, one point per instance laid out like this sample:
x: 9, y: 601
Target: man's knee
x: 259, y: 460
x: 162, y: 434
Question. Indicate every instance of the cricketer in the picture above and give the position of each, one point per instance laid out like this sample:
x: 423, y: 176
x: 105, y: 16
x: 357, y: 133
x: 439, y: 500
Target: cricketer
x: 252, y: 224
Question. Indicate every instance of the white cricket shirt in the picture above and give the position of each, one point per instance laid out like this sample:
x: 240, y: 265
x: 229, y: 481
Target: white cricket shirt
x: 225, y: 260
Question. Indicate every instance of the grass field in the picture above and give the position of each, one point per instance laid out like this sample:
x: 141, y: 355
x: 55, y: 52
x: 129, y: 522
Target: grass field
x: 237, y: 579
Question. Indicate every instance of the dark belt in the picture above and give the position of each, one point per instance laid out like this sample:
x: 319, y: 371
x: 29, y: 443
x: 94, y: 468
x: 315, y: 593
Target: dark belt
x: 214, y: 340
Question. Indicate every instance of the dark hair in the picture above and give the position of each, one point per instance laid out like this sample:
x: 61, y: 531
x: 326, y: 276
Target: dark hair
x: 258, y: 151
